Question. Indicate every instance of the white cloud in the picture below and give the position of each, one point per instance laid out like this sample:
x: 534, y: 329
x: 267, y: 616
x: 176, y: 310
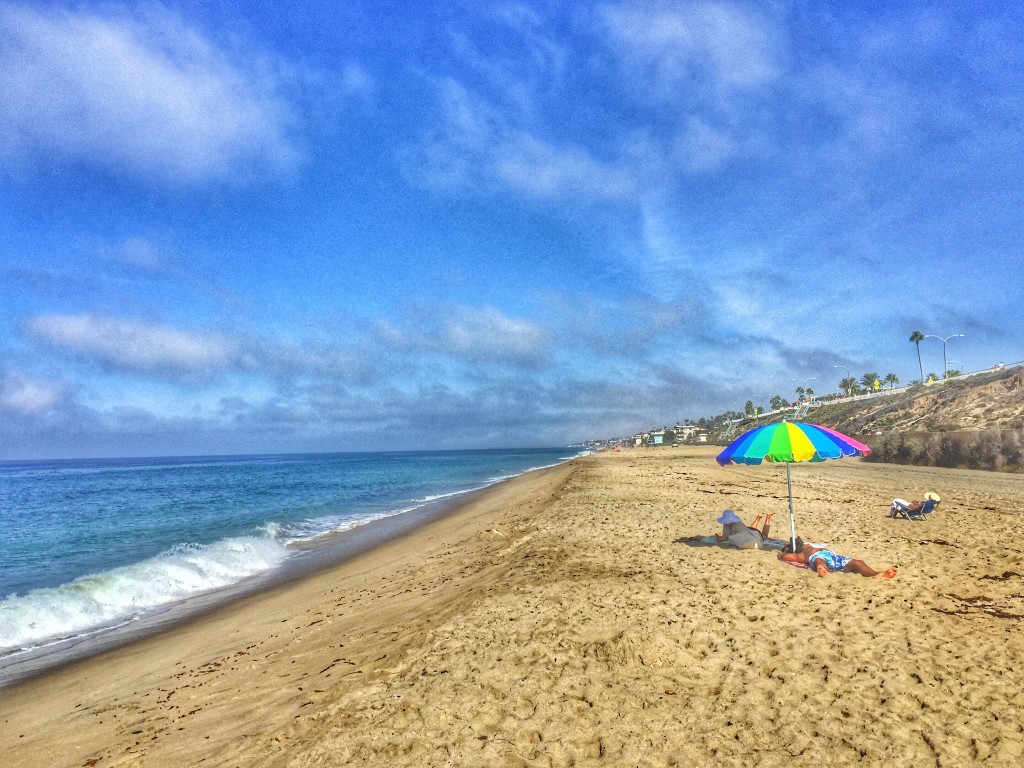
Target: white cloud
x: 133, y: 345
x: 487, y: 334
x: 872, y: 113
x: 355, y: 81
x: 709, y: 67
x: 24, y: 395
x: 703, y: 147
x: 470, y: 121
x: 476, y: 144
x: 539, y: 168
x: 467, y: 334
x: 699, y: 44
x: 142, y: 95
x: 138, y: 253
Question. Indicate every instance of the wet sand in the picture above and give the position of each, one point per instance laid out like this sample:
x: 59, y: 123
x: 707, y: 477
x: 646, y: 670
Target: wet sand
x: 564, y: 618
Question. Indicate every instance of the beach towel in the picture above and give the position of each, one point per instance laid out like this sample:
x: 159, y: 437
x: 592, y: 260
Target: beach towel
x: 711, y: 541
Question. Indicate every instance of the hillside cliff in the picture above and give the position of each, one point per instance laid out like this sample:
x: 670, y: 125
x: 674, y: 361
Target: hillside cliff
x: 970, y: 404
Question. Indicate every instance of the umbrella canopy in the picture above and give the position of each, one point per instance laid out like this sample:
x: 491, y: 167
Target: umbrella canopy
x: 790, y: 441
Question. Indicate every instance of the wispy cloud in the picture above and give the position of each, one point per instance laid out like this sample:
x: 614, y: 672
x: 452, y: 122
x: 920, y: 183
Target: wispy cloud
x: 355, y: 81
x: 477, y: 145
x: 468, y: 335
x: 675, y: 50
x: 25, y: 395
x: 700, y: 146
x: 697, y: 75
x: 138, y: 253
x: 136, y: 93
x: 707, y: 65
x: 46, y: 283
x: 134, y: 345
x: 460, y: 336
x: 526, y: 163
x: 487, y: 334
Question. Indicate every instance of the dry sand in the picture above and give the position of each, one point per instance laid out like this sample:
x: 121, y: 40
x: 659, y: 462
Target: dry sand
x: 562, y: 620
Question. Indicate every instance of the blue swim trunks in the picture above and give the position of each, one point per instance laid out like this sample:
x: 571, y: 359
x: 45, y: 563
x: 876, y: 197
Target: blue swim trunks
x: 832, y: 561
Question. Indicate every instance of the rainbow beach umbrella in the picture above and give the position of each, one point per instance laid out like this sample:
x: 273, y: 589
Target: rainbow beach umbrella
x: 790, y: 441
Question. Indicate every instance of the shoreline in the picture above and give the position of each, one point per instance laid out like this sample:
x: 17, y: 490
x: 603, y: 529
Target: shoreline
x: 306, y: 558
x: 568, y: 617
x: 51, y: 700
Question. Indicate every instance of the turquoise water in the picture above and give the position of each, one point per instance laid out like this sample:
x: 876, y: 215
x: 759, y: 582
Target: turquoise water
x: 88, y: 545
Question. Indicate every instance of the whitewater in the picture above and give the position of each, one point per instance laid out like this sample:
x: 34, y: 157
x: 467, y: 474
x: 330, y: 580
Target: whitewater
x: 87, y: 546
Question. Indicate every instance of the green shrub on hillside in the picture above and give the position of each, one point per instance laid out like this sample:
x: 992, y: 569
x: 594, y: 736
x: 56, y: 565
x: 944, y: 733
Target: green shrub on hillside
x: 994, y: 449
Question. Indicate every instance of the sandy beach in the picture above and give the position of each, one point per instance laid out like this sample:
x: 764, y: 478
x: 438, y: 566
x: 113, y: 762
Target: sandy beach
x: 565, y: 618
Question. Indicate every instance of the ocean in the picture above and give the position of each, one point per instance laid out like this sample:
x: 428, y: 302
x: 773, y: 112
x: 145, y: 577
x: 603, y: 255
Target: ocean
x: 88, y: 546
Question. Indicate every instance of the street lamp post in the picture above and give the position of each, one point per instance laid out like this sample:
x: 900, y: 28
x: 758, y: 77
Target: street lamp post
x: 963, y: 368
x: 848, y: 374
x: 944, y: 339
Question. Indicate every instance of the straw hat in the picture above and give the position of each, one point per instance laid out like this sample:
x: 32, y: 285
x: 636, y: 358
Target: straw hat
x: 932, y: 496
x: 729, y: 517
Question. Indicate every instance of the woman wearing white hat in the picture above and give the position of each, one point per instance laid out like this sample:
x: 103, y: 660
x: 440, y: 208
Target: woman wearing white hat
x: 742, y: 536
x: 915, y: 510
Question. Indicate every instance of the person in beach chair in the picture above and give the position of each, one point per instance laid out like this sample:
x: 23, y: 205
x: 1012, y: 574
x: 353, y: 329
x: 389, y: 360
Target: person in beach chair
x: 825, y: 561
x: 743, y: 536
x: 915, y: 510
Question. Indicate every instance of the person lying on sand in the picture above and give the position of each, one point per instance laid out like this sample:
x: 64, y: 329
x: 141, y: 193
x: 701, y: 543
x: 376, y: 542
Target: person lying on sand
x: 742, y: 536
x: 824, y: 561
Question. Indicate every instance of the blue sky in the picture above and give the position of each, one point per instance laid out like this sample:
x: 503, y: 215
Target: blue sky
x: 228, y: 229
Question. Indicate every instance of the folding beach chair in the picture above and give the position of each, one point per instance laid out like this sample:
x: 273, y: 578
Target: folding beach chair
x: 917, y: 510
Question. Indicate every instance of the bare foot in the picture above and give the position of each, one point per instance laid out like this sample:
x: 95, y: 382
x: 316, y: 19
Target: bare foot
x: 888, y: 573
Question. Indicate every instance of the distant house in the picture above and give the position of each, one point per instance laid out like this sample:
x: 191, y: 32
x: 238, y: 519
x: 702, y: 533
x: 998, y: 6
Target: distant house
x: 689, y: 433
x: 662, y: 437
x: 686, y: 431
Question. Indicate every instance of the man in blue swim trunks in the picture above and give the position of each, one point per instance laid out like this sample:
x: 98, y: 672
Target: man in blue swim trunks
x: 825, y: 561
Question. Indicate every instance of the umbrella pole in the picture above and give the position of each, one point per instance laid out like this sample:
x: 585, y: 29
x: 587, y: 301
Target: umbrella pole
x: 792, y: 519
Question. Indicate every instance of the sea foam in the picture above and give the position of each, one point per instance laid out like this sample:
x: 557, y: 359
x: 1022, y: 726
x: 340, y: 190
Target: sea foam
x: 105, y: 529
x: 121, y: 595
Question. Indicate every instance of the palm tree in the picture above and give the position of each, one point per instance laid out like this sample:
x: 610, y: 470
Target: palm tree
x: 800, y: 393
x: 849, y: 385
x: 868, y: 381
x: 891, y: 379
x: 917, y: 337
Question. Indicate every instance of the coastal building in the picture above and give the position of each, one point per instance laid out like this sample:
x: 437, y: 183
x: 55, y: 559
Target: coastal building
x: 686, y: 431
x: 690, y: 433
